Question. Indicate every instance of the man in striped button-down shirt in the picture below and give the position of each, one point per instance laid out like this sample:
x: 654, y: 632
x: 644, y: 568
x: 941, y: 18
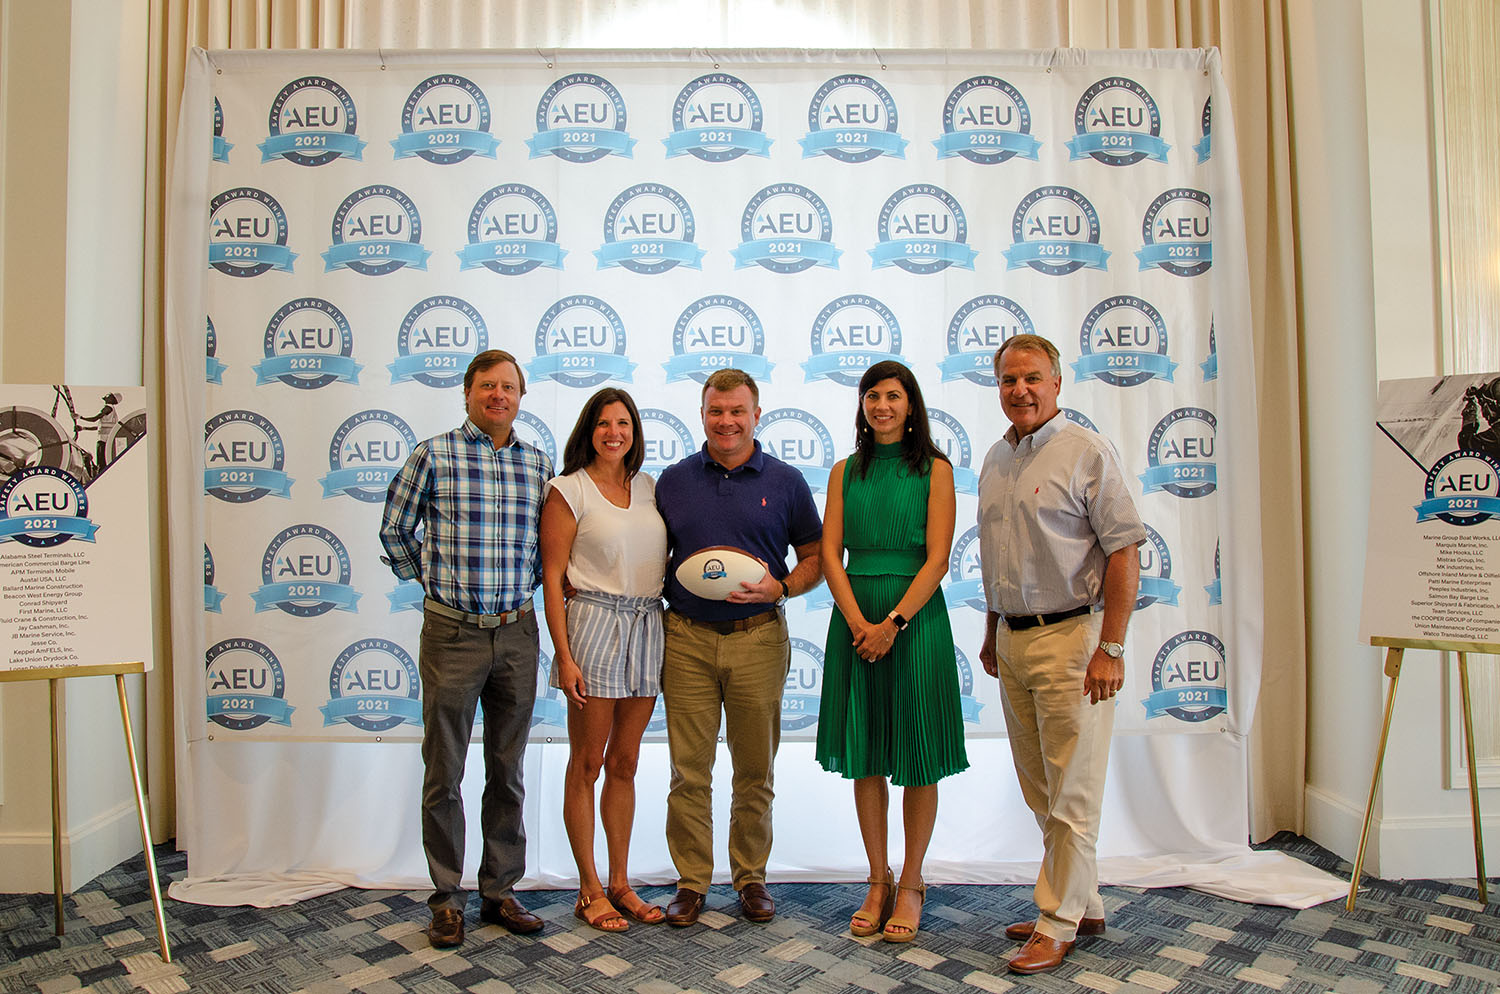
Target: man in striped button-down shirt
x: 461, y: 517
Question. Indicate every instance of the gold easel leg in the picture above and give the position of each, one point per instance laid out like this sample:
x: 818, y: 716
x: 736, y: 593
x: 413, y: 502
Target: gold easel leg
x: 1463, y: 679
x: 1392, y: 670
x: 57, y: 885
x: 140, y: 807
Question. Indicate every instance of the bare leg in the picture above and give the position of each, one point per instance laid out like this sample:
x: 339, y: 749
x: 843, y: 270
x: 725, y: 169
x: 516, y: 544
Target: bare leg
x: 871, y: 799
x: 617, y: 799
x: 919, y: 815
x: 588, y: 731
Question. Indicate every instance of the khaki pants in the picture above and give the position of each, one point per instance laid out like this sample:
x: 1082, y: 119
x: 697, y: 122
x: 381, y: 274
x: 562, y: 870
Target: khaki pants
x: 742, y: 674
x: 1060, y: 745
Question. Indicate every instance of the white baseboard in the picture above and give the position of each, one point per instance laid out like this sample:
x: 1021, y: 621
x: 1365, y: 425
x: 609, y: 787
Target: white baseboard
x: 87, y: 851
x: 1439, y: 847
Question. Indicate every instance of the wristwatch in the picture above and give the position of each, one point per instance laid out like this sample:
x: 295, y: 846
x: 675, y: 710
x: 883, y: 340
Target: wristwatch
x: 1114, y: 650
x: 897, y: 620
x: 785, y: 590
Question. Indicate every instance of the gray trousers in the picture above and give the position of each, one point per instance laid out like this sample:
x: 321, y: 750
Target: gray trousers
x: 462, y: 665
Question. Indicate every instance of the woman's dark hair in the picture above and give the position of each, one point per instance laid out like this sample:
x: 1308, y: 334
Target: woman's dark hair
x: 579, y: 451
x: 916, y: 441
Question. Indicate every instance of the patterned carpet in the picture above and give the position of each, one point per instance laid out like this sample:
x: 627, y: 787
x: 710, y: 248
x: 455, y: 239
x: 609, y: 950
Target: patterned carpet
x: 1418, y: 935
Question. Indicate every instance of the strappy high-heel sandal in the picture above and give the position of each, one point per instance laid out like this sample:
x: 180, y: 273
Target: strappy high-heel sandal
x: 909, y: 926
x: 861, y: 926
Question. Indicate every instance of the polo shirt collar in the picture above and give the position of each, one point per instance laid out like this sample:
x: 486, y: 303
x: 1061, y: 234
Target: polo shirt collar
x: 756, y: 462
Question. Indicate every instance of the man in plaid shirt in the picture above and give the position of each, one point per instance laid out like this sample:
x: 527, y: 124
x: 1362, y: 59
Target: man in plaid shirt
x: 461, y: 518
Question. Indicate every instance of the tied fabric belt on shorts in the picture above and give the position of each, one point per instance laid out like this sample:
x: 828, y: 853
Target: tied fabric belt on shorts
x: 737, y: 625
x: 621, y: 621
x: 1021, y: 622
x: 479, y: 620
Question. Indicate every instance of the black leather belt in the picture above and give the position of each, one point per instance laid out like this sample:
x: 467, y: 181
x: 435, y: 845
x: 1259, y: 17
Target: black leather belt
x: 1021, y: 622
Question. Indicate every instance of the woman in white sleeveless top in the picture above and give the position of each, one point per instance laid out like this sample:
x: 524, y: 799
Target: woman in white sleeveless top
x: 602, y: 536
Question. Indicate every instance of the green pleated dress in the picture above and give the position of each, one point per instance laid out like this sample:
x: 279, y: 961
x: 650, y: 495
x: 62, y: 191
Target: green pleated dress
x: 900, y: 716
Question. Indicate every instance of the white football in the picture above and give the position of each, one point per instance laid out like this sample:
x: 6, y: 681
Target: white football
x: 717, y: 571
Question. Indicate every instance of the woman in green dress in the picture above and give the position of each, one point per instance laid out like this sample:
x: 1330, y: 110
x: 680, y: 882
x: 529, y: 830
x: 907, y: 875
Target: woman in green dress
x: 890, y: 702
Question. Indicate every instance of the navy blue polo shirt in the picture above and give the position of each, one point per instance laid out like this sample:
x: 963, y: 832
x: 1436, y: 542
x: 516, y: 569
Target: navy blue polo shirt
x: 763, y: 506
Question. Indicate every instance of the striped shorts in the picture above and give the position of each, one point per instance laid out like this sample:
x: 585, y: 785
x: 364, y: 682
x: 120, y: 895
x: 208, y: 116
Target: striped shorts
x: 617, y: 643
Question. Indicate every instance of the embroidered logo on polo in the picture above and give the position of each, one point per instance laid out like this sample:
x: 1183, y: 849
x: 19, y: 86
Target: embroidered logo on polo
x: 1210, y: 366
x: 247, y: 233
x: 437, y: 339
x: 966, y: 702
x: 580, y: 342
x: 800, y: 440
x: 307, y: 345
x: 1188, y: 678
x: 243, y: 458
x: 922, y: 230
x: 1180, y: 454
x: 666, y: 438
x: 534, y: 432
x: 213, y: 369
x: 1176, y: 233
x: 551, y: 708
x: 849, y: 335
x: 717, y: 118
x: 977, y: 330
x: 1205, y: 146
x: 581, y: 118
x: 1116, y: 122
x: 804, y: 687
x: 376, y: 231
x: 949, y: 435
x: 1056, y: 232
x: 852, y: 119
x: 1462, y: 488
x: 312, y: 123
x: 1079, y: 418
x: 512, y: 230
x: 649, y: 229
x: 965, y: 584
x: 373, y: 685
x: 986, y: 120
x: 1216, y: 589
x: 1156, y: 572
x: 717, y: 332
x: 367, y: 451
x: 213, y: 597
x: 245, y: 685
x: 43, y: 506
x: 305, y: 572
x: 445, y: 119
x: 1123, y: 343
x: 786, y: 228
x: 221, y: 147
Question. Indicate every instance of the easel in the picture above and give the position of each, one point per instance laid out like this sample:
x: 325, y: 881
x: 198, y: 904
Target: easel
x: 1394, y: 649
x: 52, y: 675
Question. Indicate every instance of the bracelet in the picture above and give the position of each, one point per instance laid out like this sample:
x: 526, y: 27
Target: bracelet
x: 785, y: 590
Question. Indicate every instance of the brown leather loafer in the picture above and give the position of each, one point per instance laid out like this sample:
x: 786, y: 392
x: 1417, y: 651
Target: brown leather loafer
x: 447, y: 928
x: 685, y: 908
x: 1021, y: 931
x: 1039, y: 955
x: 756, y: 903
x: 510, y: 915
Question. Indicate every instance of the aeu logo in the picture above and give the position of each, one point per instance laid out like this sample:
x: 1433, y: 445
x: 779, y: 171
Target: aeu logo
x: 786, y: 228
x: 1156, y: 572
x: 512, y: 230
x: 1188, y: 678
x: 1205, y: 146
x: 44, y: 506
x: 666, y: 437
x: 551, y: 707
x: 213, y: 597
x: 922, y: 230
x: 966, y: 701
x: 1123, y: 342
x: 1180, y: 454
x: 965, y: 583
x: 247, y: 233
x: 305, y: 572
x: 580, y: 342
x: 373, y: 685
x: 243, y: 458
x: 581, y: 118
x: 649, y: 229
x: 307, y: 345
x: 849, y: 335
x: 1116, y: 122
x: 977, y: 330
x: 852, y: 119
x: 1216, y: 589
x: 213, y: 369
x: 221, y: 147
x: 245, y: 686
x: 312, y: 123
x: 717, y: 118
x: 445, y: 120
x: 367, y: 451
x: 804, y: 687
x: 534, y: 432
x: 986, y: 120
x: 1462, y: 488
x: 949, y: 435
x: 437, y: 339
x: 717, y: 332
x: 1056, y: 232
x: 376, y: 231
x: 1210, y: 366
x: 800, y: 440
x: 1176, y: 233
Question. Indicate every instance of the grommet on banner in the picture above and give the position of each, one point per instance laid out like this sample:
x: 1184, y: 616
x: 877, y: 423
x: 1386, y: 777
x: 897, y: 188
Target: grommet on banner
x: 878, y: 58
x: 544, y: 58
x: 712, y: 58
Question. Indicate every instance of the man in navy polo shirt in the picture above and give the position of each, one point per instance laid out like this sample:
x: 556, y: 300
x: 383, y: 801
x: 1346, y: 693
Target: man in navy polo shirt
x: 730, y: 655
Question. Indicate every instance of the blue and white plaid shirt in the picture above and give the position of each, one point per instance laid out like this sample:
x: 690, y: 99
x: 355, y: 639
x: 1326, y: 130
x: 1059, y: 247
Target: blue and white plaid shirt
x: 479, y: 509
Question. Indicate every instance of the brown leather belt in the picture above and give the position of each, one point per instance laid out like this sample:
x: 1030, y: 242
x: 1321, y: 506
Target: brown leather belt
x: 730, y: 627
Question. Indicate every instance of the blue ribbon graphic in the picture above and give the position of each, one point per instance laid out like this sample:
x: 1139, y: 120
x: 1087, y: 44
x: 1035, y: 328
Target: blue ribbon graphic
x: 927, y: 250
x: 818, y: 598
x: 340, y: 595
x: 221, y: 149
x: 1185, y: 697
x: 825, y: 364
x: 407, y: 596
x: 965, y: 480
x: 1117, y: 142
x: 215, y: 370
x: 816, y: 477
x: 549, y: 711
x: 759, y: 250
x: 616, y: 253
x: 375, y: 478
x: 512, y: 251
x: 1210, y: 367
x: 340, y: 367
x: 312, y: 143
x: 979, y: 140
x: 613, y: 142
x: 681, y: 367
x: 1160, y: 589
x: 1466, y: 506
x: 617, y: 366
x: 252, y: 254
x: 971, y: 709
x: 1180, y: 253
x: 1096, y: 364
x: 955, y: 366
x: 1056, y: 253
x: 81, y: 528
x: 407, y: 253
x: 886, y: 142
x: 966, y: 593
x: 742, y: 139
x: 407, y: 367
x: 1204, y: 148
x: 1159, y: 477
x: 260, y: 478
x: 343, y: 708
x: 213, y: 598
x: 1215, y: 592
x: 450, y: 140
x: 260, y: 705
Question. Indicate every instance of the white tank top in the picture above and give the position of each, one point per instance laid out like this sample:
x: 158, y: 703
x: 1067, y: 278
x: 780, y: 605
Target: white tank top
x: 616, y: 550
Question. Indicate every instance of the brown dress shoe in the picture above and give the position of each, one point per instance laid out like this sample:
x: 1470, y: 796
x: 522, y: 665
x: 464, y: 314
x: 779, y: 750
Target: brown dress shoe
x: 1039, y: 955
x: 685, y: 908
x: 1021, y: 931
x: 510, y: 915
x: 447, y: 928
x: 756, y: 902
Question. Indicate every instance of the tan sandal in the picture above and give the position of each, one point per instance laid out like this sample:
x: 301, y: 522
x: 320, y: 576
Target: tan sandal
x: 646, y: 914
x: 910, y: 926
x: 597, y: 912
x: 861, y: 926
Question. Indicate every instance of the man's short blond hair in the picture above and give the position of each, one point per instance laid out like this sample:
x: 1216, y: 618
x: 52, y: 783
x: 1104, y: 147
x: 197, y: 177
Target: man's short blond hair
x: 724, y: 380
